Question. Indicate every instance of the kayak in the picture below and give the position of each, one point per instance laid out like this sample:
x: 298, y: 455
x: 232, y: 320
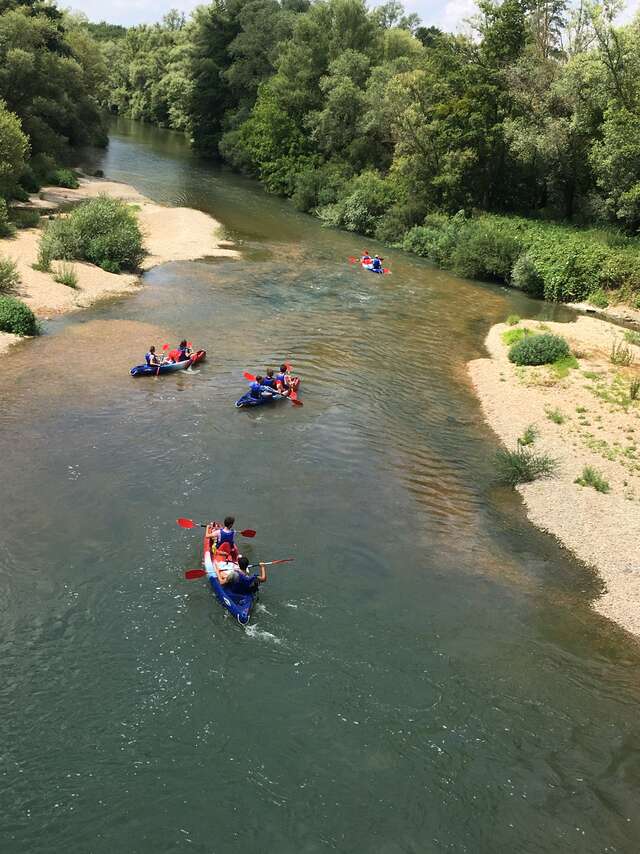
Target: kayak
x: 169, y: 367
x: 238, y: 605
x: 369, y: 267
x: 247, y: 400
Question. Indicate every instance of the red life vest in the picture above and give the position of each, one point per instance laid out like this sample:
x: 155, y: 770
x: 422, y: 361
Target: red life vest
x: 175, y: 355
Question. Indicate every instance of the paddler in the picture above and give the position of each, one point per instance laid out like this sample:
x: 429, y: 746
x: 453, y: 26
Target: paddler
x: 282, y: 380
x: 237, y: 576
x: 151, y: 358
x: 269, y: 380
x: 184, y: 351
x: 366, y: 258
x: 376, y: 264
x: 258, y: 389
x: 226, y: 534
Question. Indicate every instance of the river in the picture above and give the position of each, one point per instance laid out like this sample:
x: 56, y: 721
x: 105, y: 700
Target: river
x: 427, y: 676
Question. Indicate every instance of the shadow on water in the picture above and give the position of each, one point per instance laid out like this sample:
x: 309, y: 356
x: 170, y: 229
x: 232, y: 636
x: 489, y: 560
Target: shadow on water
x: 427, y: 676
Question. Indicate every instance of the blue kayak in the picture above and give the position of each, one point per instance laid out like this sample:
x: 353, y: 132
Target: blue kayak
x: 248, y: 400
x: 238, y: 605
x: 168, y: 367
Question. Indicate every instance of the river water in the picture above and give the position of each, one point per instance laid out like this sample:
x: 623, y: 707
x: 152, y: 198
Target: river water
x: 427, y: 676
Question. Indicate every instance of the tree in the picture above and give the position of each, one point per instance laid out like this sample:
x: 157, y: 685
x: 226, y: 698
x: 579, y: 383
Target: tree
x: 14, y: 149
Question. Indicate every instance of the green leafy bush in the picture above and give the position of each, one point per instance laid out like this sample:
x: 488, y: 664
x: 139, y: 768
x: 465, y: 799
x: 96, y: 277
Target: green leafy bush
x: 512, y: 335
x: 538, y: 350
x: 564, y: 364
x: 513, y: 320
x: 6, y: 227
x: 632, y: 337
x: 598, y: 298
x: 592, y: 477
x: 620, y: 354
x: 487, y: 249
x: 9, y: 278
x: 367, y: 197
x: 16, y: 317
x: 103, y: 231
x: 634, y: 389
x: 25, y: 217
x: 64, y: 178
x: 523, y: 465
x: 525, y: 276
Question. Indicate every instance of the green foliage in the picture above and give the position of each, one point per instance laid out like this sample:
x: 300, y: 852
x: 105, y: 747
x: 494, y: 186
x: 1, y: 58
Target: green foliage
x: 632, y: 337
x: 538, y: 350
x: 513, y: 320
x: 510, y: 336
x: 592, y: 477
x: 634, y: 389
x: 16, y: 317
x: 555, y: 415
x: 523, y: 465
x: 529, y: 436
x: 25, y: 217
x: 102, y: 231
x: 14, y: 148
x: 66, y: 275
x: 9, y: 278
x: 620, y: 354
x: 64, y: 178
x: 526, y: 277
x: 598, y: 298
x: 563, y: 365
x: 366, y: 198
x: 6, y: 226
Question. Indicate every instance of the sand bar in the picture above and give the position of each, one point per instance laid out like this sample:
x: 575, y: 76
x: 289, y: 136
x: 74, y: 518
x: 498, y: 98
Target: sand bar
x: 600, y: 428
x: 170, y: 234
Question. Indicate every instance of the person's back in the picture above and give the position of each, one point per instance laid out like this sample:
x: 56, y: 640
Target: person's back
x: 269, y: 381
x: 376, y: 264
x: 151, y: 358
x: 243, y: 583
x: 226, y: 534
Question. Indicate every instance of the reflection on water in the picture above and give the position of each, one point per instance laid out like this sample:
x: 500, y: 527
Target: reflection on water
x: 426, y: 676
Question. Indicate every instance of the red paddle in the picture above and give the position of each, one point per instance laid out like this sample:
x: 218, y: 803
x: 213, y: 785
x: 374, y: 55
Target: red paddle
x: 190, y: 574
x: 189, y: 523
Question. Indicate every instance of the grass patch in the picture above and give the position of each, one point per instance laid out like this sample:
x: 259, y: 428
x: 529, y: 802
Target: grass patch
x: 620, y: 354
x: 598, y: 298
x: 592, y: 477
x: 634, y: 389
x: 9, y: 278
x: 513, y: 320
x: 64, y: 178
x: 511, y: 336
x: 562, y: 366
x: 581, y: 409
x: 632, y: 337
x: 25, y: 217
x: 64, y: 274
x: 529, y: 436
x: 555, y: 415
x: 523, y: 465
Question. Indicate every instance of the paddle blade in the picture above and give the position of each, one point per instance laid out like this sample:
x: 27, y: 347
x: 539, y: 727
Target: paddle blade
x: 282, y: 560
x: 387, y: 271
x: 248, y: 376
x: 248, y: 533
x: 189, y: 344
x: 354, y: 260
x: 165, y: 346
x: 186, y: 523
x: 190, y: 574
x: 295, y: 401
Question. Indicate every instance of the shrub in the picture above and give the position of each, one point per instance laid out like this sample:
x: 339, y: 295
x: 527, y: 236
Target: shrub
x: 29, y: 180
x: 620, y: 354
x: 16, y: 317
x: 598, y: 298
x: 562, y: 366
x: 103, y: 231
x: 634, y: 389
x: 9, y: 278
x: 6, y: 227
x: 367, y: 197
x: 25, y: 217
x: 592, y: 477
x: 529, y: 436
x: 66, y: 275
x: 523, y: 465
x: 64, y: 178
x: 538, y: 350
x: 632, y: 337
x: 488, y: 249
x: 513, y: 320
x: 525, y: 277
x: 555, y: 415
x: 512, y: 335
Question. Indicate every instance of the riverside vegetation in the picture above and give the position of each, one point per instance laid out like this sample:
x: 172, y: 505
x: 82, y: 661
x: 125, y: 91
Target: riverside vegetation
x: 510, y: 154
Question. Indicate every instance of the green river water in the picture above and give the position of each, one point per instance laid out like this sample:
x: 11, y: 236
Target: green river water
x: 426, y: 677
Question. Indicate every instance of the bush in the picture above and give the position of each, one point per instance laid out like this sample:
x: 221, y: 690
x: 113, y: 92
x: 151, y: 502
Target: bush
x: 29, y: 180
x: 103, y: 231
x: 525, y: 277
x: 529, y: 436
x: 512, y: 335
x: 9, y: 278
x: 368, y: 197
x: 6, y: 227
x: 66, y: 275
x: 64, y: 178
x: 620, y: 354
x: 513, y: 320
x: 555, y: 415
x: 487, y: 249
x: 634, y: 389
x: 632, y: 337
x: 562, y: 366
x: 25, y: 217
x: 16, y: 317
x: 523, y: 465
x: 538, y: 350
x: 592, y: 477
x: 598, y: 298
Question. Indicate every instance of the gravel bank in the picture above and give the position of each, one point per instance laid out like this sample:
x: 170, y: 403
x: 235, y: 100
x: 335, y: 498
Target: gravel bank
x: 600, y: 428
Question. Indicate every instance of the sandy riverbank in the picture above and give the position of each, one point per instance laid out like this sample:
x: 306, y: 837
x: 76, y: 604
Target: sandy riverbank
x: 600, y: 428
x: 170, y: 234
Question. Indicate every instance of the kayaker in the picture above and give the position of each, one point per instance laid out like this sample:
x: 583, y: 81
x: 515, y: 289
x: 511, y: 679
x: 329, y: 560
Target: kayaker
x: 282, y: 380
x: 269, y: 380
x: 257, y: 389
x: 184, y: 351
x: 366, y: 258
x: 237, y: 577
x: 226, y: 534
x: 151, y: 358
x: 376, y: 264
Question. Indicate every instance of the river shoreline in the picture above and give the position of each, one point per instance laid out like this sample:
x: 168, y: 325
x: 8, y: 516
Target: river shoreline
x: 597, y: 427
x: 170, y: 234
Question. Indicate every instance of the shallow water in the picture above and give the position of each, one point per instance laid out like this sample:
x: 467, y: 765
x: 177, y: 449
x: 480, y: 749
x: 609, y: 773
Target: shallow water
x: 427, y: 676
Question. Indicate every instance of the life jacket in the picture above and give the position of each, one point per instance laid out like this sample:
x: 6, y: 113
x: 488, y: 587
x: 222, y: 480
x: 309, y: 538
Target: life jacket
x: 376, y: 264
x: 225, y: 537
x: 269, y: 382
x: 282, y: 379
x: 244, y: 584
x: 255, y: 389
x: 148, y: 358
x: 182, y: 354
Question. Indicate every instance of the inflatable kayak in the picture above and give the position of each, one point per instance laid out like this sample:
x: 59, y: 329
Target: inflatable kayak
x: 381, y: 271
x: 169, y: 367
x: 237, y: 604
x: 248, y: 400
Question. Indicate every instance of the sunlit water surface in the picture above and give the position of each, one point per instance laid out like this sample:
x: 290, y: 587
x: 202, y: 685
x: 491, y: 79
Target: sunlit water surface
x: 427, y: 676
